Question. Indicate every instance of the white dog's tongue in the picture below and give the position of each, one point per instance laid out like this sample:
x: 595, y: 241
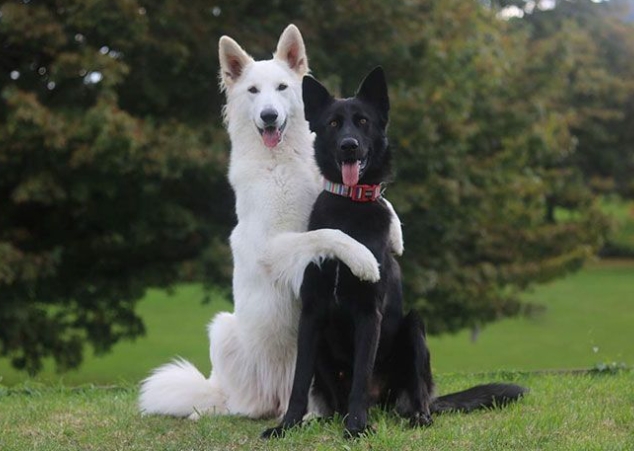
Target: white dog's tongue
x: 272, y: 137
x: 350, y: 173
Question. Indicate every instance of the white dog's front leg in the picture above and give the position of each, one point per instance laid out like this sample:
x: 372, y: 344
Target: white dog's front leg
x: 396, y: 232
x: 287, y: 255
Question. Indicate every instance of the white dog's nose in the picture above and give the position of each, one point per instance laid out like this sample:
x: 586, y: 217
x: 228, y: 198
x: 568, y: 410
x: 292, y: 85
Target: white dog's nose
x: 268, y: 116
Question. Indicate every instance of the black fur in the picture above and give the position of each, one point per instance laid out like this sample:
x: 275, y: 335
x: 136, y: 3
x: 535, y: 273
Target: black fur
x: 354, y: 340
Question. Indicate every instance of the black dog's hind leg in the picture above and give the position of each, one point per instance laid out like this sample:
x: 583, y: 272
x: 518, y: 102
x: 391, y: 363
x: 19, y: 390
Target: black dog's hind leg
x: 310, y: 326
x: 415, y: 383
x: 367, y: 321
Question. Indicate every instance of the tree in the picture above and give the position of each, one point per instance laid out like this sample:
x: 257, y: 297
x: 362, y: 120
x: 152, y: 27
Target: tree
x: 98, y: 199
x: 582, y: 57
x: 476, y: 155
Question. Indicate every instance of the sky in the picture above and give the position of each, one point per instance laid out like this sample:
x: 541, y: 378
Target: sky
x: 514, y: 11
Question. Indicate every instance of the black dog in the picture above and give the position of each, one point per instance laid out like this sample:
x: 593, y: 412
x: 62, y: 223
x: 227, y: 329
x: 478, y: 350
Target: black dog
x: 354, y: 340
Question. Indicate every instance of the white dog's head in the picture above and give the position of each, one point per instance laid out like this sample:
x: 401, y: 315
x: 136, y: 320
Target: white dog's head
x: 264, y: 95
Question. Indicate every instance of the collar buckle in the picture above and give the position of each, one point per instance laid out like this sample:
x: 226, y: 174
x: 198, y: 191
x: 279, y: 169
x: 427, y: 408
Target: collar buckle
x: 357, y: 193
x: 365, y: 193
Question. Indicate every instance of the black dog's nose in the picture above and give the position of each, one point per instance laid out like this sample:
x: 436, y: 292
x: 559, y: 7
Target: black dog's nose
x: 268, y: 116
x: 349, y: 144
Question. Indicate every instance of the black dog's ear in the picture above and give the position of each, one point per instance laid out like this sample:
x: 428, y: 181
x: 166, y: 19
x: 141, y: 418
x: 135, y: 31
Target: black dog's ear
x: 373, y: 90
x: 316, y: 97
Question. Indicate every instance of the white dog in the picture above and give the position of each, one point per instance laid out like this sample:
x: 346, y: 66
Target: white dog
x: 276, y: 182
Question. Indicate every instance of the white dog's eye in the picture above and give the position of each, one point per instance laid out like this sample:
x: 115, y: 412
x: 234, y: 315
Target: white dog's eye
x: 253, y: 90
x: 282, y: 86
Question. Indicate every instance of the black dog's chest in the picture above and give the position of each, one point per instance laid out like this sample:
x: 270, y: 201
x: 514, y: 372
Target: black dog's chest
x: 367, y: 222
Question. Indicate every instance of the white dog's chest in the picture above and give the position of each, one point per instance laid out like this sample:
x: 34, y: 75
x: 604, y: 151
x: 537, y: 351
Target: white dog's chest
x: 274, y: 199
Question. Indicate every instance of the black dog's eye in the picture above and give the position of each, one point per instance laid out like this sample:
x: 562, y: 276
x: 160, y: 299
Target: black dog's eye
x: 282, y: 86
x: 334, y: 123
x: 363, y: 121
x: 253, y: 90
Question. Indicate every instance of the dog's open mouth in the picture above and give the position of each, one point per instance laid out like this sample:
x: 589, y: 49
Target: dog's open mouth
x: 352, y: 170
x: 272, y: 135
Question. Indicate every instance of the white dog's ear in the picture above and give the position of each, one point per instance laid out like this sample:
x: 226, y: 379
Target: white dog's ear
x: 291, y: 49
x: 233, y: 60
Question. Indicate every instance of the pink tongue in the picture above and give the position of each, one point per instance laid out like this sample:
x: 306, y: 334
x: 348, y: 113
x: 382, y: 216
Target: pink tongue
x: 272, y: 137
x: 350, y: 173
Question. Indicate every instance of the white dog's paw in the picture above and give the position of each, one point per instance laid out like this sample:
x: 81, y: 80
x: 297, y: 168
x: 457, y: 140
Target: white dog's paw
x: 364, y: 265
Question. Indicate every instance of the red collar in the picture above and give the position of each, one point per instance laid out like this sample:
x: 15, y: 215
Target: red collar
x: 358, y: 193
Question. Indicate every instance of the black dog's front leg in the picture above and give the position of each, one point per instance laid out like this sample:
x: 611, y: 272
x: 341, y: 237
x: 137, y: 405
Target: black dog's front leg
x: 366, y: 340
x: 309, y: 334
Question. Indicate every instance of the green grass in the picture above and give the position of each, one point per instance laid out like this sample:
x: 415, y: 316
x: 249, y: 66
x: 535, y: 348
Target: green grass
x: 175, y: 326
x: 588, y: 320
x: 562, y: 412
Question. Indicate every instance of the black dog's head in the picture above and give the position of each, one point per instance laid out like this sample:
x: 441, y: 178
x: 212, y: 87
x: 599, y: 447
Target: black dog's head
x: 350, y: 143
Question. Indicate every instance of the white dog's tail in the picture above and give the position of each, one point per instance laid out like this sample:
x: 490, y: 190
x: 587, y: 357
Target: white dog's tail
x: 288, y: 254
x: 179, y: 389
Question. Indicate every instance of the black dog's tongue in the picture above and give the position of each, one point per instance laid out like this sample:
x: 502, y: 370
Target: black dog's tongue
x: 350, y: 173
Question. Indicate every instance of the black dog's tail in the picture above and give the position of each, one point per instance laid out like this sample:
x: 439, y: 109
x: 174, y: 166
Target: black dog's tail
x: 478, y: 397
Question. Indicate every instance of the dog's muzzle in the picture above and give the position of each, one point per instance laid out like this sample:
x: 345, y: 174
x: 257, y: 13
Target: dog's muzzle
x: 270, y: 131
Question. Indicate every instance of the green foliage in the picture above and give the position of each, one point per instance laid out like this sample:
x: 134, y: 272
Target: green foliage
x: 96, y: 203
x: 610, y: 367
x: 582, y: 62
x: 620, y: 242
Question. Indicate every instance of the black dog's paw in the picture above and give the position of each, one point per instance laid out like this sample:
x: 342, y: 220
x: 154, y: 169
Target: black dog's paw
x: 351, y: 433
x: 420, y: 419
x: 276, y: 432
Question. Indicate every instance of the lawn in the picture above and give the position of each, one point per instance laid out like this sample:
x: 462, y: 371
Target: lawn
x: 175, y: 325
x: 562, y: 412
x: 588, y: 320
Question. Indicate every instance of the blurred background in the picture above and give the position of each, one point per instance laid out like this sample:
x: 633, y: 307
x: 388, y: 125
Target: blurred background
x: 512, y: 124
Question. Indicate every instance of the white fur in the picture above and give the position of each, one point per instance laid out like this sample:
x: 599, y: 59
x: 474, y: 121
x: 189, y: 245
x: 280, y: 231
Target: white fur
x: 396, y: 232
x: 253, y: 349
x: 179, y: 389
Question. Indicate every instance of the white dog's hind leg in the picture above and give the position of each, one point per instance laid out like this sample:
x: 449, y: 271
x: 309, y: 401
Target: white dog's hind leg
x: 254, y: 379
x: 288, y: 254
